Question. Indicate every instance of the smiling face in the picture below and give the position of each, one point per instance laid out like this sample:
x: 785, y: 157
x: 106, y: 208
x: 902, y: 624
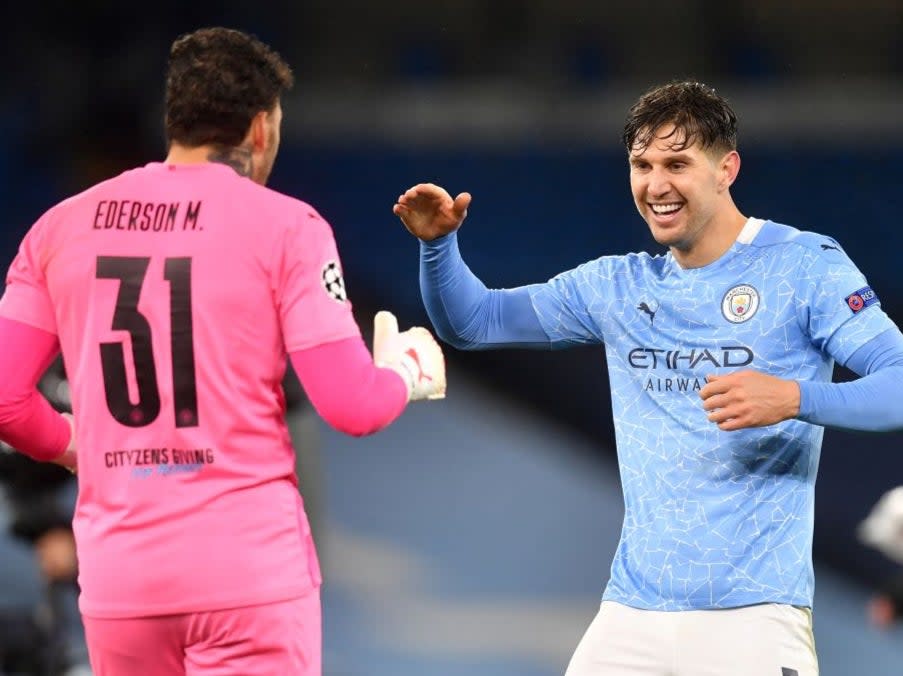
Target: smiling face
x: 682, y: 192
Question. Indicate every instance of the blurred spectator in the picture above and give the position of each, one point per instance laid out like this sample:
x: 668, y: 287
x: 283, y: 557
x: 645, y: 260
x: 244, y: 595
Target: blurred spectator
x: 23, y: 609
x: 885, y: 608
x: 883, y: 530
x: 41, y: 633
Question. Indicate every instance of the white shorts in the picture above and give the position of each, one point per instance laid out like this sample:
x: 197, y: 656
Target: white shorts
x: 769, y: 639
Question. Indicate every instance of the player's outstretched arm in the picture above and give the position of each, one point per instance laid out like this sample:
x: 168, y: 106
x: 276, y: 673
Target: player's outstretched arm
x: 358, y: 393
x: 465, y: 314
x: 428, y: 211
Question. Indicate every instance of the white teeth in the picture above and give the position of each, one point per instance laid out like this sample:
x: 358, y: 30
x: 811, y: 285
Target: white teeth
x: 665, y: 208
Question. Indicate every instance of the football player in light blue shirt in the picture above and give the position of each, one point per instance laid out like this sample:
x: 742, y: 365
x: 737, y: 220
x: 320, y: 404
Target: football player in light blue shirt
x: 720, y: 355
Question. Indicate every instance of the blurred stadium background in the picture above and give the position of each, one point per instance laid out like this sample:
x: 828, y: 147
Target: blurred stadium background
x: 475, y: 536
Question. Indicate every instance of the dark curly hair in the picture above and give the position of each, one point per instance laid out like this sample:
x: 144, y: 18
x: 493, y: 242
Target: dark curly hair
x: 695, y: 110
x: 218, y: 79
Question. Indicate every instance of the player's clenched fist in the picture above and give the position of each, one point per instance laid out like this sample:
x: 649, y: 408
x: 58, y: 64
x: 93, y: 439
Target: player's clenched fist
x: 749, y: 399
x: 413, y: 354
x: 428, y: 211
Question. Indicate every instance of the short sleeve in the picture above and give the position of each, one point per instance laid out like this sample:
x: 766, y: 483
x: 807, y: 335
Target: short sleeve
x: 841, y: 310
x: 26, y: 298
x: 313, y: 302
x: 562, y: 305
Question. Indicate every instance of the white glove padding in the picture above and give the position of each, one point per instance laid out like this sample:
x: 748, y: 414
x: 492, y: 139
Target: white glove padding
x: 413, y: 354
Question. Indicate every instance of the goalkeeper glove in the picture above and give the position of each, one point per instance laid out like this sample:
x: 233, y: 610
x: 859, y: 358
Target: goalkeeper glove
x: 413, y: 354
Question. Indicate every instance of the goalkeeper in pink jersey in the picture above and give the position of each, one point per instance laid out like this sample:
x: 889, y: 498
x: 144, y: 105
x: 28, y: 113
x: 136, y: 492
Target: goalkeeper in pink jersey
x: 176, y: 292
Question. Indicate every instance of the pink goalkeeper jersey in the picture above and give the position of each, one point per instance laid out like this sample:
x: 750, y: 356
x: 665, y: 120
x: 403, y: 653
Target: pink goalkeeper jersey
x: 176, y: 292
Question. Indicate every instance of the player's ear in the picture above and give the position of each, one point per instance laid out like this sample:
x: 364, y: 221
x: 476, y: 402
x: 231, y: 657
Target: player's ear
x: 728, y: 170
x: 257, y: 134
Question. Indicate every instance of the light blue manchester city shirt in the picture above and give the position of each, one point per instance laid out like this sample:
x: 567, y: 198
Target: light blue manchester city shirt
x: 714, y: 519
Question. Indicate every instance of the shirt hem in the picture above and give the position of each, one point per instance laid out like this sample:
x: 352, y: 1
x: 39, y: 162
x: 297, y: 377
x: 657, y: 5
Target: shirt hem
x: 666, y: 605
x: 103, y: 611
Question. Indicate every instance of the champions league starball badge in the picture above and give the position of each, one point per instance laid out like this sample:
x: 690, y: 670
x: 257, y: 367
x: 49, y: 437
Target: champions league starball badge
x: 740, y: 304
x: 333, y: 282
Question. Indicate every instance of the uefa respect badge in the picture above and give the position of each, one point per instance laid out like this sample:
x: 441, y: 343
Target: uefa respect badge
x: 861, y: 299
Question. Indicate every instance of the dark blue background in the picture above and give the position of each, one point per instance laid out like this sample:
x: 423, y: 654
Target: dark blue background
x: 540, y: 210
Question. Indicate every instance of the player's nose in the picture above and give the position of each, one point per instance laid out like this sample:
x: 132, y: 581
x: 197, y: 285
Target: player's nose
x: 659, y: 184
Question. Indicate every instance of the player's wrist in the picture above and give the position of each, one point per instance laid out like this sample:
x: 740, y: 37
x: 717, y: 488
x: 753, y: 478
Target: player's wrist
x: 439, y: 240
x: 795, y: 399
x: 69, y: 457
x: 404, y: 373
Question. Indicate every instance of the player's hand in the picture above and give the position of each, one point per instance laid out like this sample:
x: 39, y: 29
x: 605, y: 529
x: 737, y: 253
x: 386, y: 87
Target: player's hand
x: 413, y: 354
x: 56, y: 554
x: 428, y: 211
x: 749, y: 399
x: 69, y: 458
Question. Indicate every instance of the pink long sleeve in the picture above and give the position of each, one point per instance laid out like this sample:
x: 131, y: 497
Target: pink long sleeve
x: 28, y: 422
x: 175, y: 292
x: 347, y: 389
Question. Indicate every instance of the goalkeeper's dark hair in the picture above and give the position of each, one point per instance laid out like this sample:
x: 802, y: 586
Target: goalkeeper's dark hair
x: 697, y: 112
x: 217, y: 80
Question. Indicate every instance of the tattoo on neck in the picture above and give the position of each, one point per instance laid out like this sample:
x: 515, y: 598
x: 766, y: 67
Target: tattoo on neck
x: 237, y: 158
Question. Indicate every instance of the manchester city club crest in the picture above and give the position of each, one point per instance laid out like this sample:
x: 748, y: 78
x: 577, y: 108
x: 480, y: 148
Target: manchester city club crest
x: 740, y: 303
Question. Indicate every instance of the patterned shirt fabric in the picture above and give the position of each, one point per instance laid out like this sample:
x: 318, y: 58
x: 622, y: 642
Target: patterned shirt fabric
x: 714, y: 519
